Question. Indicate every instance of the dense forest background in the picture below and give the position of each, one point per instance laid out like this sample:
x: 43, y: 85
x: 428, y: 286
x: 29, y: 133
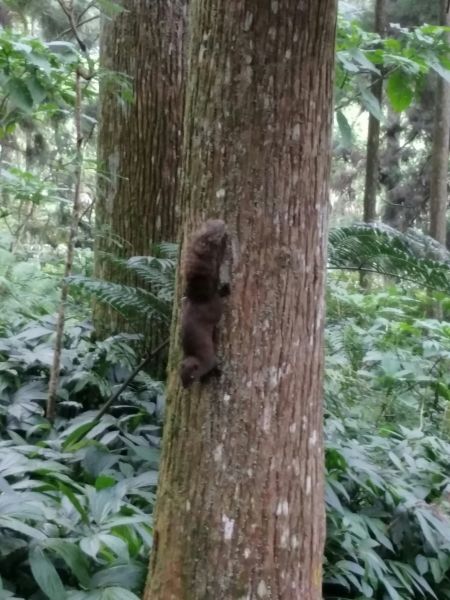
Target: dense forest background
x: 91, y: 109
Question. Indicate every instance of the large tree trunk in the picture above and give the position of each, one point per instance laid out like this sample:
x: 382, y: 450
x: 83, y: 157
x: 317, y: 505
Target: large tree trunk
x: 373, y: 137
x: 240, y: 510
x: 139, y: 143
x: 440, y: 154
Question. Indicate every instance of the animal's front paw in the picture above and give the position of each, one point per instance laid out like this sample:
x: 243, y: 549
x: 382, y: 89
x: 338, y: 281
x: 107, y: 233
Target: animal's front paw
x: 224, y: 290
x: 215, y: 372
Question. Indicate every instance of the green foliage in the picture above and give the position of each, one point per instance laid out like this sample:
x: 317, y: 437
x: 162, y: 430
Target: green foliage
x: 381, y: 249
x: 388, y: 514
x: 149, y: 301
x: 404, y: 59
x: 78, y: 500
x: 26, y: 186
x: 388, y: 456
x: 75, y: 514
x: 79, y: 516
x: 25, y: 291
x: 29, y: 287
x: 33, y: 75
x: 411, y: 257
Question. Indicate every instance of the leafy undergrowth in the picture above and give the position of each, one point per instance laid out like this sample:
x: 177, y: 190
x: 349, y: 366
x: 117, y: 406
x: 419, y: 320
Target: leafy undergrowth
x: 387, y: 456
x: 75, y: 513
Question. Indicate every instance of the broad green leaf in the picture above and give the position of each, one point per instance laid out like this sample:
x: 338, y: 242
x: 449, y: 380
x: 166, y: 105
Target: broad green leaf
x: 344, y: 129
x: 16, y: 525
x: 40, y: 61
x: 347, y: 565
x: 104, y: 481
x: 78, y: 433
x: 91, y: 545
x: 440, y: 70
x: 366, y: 589
x: 19, y: 94
x: 420, y: 583
x: 24, y: 47
x: 344, y: 59
x: 73, y: 557
x: 37, y: 91
x: 436, y: 570
x: 378, y: 529
x: 392, y: 592
x: 115, y: 544
x: 106, y: 501
x: 371, y: 103
x: 97, y: 460
x: 399, y: 91
x: 427, y: 531
x: 403, y: 577
x: 332, y: 499
x: 130, y: 576
x: 46, y: 575
x: 359, y: 57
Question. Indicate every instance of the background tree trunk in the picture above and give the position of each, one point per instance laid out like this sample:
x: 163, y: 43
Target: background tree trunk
x: 373, y: 137
x: 139, y: 144
x: 394, y: 213
x: 440, y: 154
x: 240, y: 510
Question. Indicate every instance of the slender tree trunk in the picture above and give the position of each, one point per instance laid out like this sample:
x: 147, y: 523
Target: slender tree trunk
x: 139, y: 143
x: 439, y: 160
x: 240, y: 510
x: 373, y: 138
x: 440, y: 153
x: 373, y: 141
x: 394, y: 213
x: 72, y: 236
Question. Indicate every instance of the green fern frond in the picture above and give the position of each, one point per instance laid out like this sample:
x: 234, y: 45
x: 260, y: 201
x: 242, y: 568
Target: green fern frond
x: 132, y: 303
x: 151, y: 298
x: 380, y: 249
x: 374, y: 248
x: 167, y: 250
x: 156, y: 273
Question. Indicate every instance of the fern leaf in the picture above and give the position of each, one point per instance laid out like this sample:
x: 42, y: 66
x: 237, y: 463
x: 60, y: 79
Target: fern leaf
x: 130, y: 302
x: 377, y: 248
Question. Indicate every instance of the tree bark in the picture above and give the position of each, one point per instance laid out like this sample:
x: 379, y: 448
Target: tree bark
x: 440, y: 152
x: 373, y: 137
x: 394, y: 213
x: 139, y: 142
x: 240, y: 510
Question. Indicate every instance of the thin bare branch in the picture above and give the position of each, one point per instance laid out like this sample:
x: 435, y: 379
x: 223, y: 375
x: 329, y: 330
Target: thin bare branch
x: 68, y: 10
x: 76, y: 209
x: 79, y: 24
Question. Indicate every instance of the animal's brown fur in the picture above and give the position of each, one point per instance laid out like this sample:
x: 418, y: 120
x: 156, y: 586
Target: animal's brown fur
x: 203, y: 301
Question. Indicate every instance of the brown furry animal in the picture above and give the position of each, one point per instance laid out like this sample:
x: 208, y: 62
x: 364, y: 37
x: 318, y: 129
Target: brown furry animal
x: 203, y: 302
